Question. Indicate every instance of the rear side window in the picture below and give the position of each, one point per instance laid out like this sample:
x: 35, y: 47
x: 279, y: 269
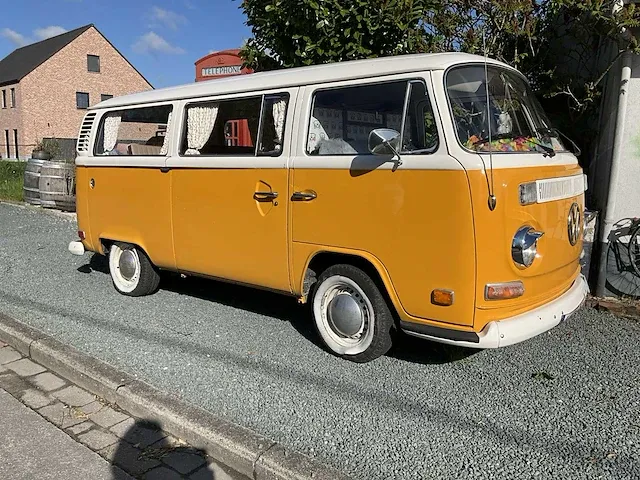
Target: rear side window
x: 343, y: 118
x: 136, y: 131
x: 245, y: 126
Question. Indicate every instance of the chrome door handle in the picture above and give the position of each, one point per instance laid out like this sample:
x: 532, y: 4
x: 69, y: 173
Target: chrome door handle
x: 304, y: 196
x: 265, y: 196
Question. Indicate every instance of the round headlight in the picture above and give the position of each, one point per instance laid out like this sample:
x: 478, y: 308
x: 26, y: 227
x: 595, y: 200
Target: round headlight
x: 525, y: 246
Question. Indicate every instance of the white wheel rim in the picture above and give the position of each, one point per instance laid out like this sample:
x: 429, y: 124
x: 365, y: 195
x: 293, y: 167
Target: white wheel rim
x: 122, y: 282
x: 339, y: 343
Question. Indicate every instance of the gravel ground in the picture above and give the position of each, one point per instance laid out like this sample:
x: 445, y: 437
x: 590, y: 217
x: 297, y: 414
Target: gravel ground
x: 563, y: 405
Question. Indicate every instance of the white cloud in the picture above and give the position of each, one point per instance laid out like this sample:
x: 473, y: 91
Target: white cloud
x: 14, y: 37
x: 167, y: 18
x: 47, y: 32
x: 153, y: 43
x: 189, y: 5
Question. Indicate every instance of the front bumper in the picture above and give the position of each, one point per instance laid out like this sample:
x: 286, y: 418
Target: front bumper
x: 522, y: 327
x: 76, y: 248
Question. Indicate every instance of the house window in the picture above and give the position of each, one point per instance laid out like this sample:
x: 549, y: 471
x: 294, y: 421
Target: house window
x: 13, y: 97
x: 6, y: 139
x: 15, y: 142
x: 105, y: 96
x: 93, y: 63
x: 135, y: 131
x: 4, y: 99
x: 82, y: 100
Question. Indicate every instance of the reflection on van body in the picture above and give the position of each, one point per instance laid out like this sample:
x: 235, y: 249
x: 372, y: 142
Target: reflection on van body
x: 361, y: 187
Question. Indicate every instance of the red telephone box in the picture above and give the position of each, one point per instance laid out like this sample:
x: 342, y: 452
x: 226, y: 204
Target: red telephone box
x: 237, y: 134
x: 220, y: 64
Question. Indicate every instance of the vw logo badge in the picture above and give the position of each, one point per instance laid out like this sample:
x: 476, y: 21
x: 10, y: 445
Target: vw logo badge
x: 574, y: 224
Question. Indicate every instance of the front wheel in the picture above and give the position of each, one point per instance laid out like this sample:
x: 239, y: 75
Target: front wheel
x: 351, y: 315
x: 132, y: 272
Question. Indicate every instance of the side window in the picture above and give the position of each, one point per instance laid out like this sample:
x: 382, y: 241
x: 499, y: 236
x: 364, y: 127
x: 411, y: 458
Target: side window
x: 136, y: 131
x: 274, y: 114
x: 230, y: 127
x: 343, y: 118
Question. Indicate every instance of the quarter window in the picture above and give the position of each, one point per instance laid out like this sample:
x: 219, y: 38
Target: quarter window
x: 93, y: 63
x: 233, y: 127
x: 343, y: 118
x: 136, y: 131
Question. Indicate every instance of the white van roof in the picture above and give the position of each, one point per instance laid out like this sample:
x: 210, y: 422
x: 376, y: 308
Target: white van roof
x: 293, y: 77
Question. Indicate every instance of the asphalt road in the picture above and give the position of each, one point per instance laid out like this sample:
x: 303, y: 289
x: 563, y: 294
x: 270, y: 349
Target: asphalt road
x: 563, y: 405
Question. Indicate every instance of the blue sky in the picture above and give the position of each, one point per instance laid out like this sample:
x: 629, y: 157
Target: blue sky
x: 162, y: 38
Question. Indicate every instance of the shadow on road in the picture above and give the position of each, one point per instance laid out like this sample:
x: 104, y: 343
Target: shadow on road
x: 261, y: 302
x: 145, y: 449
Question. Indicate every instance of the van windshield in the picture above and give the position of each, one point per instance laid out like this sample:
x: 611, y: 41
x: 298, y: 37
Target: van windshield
x: 514, y: 120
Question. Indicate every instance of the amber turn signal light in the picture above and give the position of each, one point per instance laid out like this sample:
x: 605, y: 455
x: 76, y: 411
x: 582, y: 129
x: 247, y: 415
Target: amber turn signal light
x: 442, y: 297
x: 503, y: 291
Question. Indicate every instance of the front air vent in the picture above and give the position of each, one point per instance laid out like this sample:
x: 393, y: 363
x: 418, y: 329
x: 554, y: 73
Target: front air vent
x: 85, y: 133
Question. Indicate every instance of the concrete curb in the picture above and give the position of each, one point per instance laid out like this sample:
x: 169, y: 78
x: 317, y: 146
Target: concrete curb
x: 237, y: 447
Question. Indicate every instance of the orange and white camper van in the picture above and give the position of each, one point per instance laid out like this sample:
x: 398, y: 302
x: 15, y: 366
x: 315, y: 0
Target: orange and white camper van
x: 423, y: 193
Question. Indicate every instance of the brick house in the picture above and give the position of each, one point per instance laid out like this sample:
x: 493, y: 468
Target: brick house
x: 46, y: 87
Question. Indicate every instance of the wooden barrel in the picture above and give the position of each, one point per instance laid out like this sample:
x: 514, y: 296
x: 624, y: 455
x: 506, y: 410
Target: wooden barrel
x: 31, y: 188
x: 57, y: 185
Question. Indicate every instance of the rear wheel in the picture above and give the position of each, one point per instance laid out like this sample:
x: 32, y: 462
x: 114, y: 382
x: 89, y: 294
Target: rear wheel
x: 351, y: 315
x: 132, y: 272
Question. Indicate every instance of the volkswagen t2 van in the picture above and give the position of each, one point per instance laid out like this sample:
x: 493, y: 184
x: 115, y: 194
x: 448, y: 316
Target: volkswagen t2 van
x: 423, y: 193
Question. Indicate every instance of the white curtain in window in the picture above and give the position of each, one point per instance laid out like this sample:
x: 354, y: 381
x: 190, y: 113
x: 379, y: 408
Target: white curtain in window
x: 165, y: 142
x: 279, y: 109
x: 111, y: 127
x: 200, y: 123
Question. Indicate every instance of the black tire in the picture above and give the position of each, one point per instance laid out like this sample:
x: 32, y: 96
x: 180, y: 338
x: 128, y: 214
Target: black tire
x: 148, y: 278
x: 383, y: 320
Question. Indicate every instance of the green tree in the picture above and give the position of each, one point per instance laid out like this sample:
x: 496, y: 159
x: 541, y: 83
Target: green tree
x: 290, y: 33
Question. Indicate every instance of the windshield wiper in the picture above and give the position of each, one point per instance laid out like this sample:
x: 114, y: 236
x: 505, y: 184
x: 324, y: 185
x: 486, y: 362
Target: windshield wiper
x: 550, y: 151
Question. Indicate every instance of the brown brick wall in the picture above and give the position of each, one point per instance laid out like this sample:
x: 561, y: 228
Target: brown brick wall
x: 49, y: 92
x: 10, y: 119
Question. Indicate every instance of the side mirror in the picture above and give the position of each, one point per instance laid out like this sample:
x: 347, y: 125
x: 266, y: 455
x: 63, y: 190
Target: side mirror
x: 384, y: 141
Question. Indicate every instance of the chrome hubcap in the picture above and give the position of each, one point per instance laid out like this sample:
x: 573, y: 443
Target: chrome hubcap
x: 127, y: 264
x: 345, y: 315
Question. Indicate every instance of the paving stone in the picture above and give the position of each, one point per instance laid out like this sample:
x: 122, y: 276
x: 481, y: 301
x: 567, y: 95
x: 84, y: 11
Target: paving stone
x: 129, y: 458
x: 12, y: 383
x: 8, y: 355
x: 35, y: 399
x: 162, y: 473
x: 92, y: 408
x: 54, y: 413
x: 47, y: 381
x: 108, y: 417
x: 184, y: 460
x: 2, y: 344
x: 214, y: 471
x: 2, y: 369
x: 73, y: 416
x: 122, y: 428
x: 138, y: 433
x: 25, y: 367
x: 80, y: 428
x: 74, y: 396
x: 97, y: 439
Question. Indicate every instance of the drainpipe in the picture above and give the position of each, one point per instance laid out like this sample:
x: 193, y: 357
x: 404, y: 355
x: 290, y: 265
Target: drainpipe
x: 612, y: 195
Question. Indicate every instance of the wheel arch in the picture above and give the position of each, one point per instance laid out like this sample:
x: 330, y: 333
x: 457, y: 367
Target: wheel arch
x: 323, y: 259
